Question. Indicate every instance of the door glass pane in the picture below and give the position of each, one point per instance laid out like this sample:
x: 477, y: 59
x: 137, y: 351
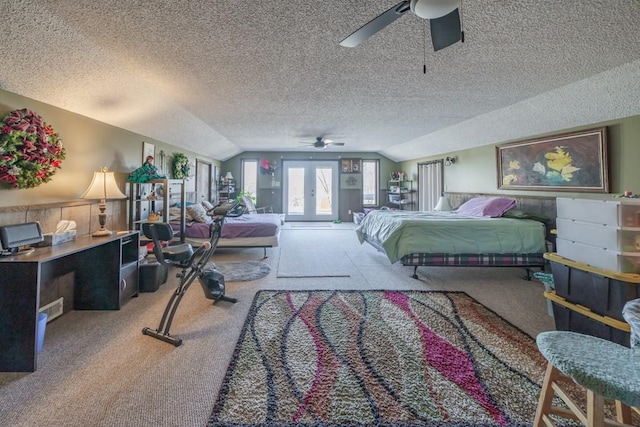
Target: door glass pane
x: 250, y: 177
x: 323, y: 191
x: 370, y: 182
x: 295, y: 191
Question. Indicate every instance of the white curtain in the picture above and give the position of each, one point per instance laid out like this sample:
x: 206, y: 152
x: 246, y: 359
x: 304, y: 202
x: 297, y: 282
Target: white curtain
x: 430, y: 184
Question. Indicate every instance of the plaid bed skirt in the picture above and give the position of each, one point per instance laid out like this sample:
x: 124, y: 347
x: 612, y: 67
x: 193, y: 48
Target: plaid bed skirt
x: 473, y: 260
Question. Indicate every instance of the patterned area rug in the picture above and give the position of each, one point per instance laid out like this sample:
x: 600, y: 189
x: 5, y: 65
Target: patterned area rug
x: 388, y: 358
x: 242, y: 271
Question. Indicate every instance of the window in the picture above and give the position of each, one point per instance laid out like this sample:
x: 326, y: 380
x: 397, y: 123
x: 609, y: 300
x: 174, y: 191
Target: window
x: 370, y: 182
x: 250, y: 176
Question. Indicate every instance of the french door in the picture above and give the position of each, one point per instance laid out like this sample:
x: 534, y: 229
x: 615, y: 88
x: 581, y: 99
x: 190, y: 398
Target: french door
x: 310, y: 190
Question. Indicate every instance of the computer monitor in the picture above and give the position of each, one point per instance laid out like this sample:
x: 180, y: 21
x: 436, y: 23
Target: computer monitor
x: 15, y: 237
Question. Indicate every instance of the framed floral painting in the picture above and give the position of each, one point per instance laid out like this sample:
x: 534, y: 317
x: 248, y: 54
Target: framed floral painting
x: 570, y: 162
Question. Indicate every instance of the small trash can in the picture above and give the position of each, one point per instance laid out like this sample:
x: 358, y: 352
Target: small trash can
x: 549, y: 285
x: 42, y: 326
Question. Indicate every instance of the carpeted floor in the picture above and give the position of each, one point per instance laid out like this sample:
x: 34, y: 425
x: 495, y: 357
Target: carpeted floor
x: 378, y: 358
x: 97, y: 369
x: 242, y: 271
x: 314, y: 262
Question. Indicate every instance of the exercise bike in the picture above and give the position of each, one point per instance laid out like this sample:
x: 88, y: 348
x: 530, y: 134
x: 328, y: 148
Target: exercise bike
x: 193, y: 264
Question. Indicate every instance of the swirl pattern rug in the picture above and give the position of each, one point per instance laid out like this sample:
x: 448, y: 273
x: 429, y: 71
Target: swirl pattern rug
x: 388, y: 358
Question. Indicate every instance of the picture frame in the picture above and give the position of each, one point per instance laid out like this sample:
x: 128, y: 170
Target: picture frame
x: 351, y: 166
x: 575, y: 162
x: 148, y: 149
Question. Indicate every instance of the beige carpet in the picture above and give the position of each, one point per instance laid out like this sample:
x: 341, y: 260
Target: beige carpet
x: 97, y: 369
x: 314, y: 263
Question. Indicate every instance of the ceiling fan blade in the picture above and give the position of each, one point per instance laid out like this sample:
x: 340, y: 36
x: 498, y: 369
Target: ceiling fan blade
x: 335, y: 143
x: 445, y: 30
x: 376, y: 24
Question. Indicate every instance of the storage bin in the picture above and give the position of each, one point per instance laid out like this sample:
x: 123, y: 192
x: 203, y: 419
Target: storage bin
x: 616, y: 212
x: 599, y: 257
x: 41, y: 328
x: 590, y: 300
x: 600, y: 235
x: 152, y: 275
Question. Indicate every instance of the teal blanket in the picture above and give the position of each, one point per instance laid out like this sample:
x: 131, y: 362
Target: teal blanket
x: 401, y: 233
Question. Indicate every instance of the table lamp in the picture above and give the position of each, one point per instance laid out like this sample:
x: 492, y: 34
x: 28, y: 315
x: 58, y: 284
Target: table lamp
x: 228, y: 177
x: 443, y: 204
x: 103, y: 187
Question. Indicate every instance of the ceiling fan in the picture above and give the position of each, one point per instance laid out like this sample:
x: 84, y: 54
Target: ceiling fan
x: 443, y: 16
x: 320, y: 143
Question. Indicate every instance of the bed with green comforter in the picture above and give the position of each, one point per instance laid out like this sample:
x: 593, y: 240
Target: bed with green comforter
x: 418, y: 238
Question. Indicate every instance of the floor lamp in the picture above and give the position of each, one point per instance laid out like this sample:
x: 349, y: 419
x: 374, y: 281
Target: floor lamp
x: 103, y: 187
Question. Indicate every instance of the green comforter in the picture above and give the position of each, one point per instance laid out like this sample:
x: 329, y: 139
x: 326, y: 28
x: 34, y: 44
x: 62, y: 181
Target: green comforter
x: 401, y: 233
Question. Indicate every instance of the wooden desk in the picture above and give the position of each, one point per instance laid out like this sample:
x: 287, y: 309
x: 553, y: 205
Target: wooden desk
x: 105, y: 276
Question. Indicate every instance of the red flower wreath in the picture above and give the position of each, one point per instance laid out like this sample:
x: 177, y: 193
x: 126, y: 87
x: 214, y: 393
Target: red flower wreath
x: 30, y: 151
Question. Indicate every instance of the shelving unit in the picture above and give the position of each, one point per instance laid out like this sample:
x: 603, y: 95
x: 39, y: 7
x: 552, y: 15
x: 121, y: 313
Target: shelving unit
x: 156, y: 196
x: 226, y: 190
x: 400, y: 193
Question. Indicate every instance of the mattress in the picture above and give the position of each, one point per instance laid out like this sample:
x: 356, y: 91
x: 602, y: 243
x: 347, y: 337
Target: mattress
x: 246, y: 225
x: 402, y: 233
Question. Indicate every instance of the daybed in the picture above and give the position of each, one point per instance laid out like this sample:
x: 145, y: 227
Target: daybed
x: 460, y: 238
x: 245, y: 231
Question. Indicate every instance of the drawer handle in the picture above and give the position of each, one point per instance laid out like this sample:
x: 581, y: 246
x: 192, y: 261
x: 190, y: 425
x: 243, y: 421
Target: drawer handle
x: 123, y: 284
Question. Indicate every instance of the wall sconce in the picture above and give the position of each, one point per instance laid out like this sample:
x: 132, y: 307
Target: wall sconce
x: 103, y: 187
x: 448, y: 161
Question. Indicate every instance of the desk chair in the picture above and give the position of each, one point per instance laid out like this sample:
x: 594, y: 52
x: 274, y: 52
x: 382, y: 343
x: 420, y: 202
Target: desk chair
x: 605, y: 369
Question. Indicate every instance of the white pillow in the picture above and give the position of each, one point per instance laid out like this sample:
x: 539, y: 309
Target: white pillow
x: 197, y: 212
x: 207, y: 205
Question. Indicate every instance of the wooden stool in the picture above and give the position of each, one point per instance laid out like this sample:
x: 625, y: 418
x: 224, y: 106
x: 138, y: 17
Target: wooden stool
x: 605, y: 369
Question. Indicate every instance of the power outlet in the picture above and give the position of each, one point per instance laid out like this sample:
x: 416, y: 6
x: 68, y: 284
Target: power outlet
x: 349, y: 212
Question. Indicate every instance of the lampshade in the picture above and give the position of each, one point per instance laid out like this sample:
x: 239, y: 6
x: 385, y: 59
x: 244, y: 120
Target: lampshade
x: 443, y: 204
x: 103, y: 186
x: 432, y: 9
x: 228, y: 176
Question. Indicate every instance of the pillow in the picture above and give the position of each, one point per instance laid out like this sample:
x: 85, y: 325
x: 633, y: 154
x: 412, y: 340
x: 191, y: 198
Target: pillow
x: 492, y: 207
x: 207, y: 205
x: 520, y: 214
x: 197, y: 213
x: 175, y: 212
x: 179, y: 205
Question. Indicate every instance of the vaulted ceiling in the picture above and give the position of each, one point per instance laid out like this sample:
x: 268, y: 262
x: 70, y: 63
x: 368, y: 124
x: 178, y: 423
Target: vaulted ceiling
x: 223, y: 77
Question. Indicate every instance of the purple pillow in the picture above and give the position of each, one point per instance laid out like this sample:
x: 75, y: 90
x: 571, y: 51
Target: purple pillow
x: 492, y: 207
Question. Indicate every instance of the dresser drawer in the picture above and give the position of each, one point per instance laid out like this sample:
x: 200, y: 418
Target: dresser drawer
x: 620, y: 212
x: 603, y: 236
x: 607, y: 259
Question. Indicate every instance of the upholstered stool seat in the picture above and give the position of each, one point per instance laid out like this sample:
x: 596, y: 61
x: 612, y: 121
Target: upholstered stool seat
x: 606, y: 370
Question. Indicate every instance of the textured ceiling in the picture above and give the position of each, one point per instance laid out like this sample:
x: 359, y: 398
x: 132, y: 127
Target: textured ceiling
x: 222, y: 77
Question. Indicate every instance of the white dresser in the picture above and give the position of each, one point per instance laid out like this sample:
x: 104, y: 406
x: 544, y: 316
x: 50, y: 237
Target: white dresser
x: 601, y: 233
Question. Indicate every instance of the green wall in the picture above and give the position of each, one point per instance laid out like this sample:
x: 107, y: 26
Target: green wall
x: 475, y: 170
x: 89, y: 145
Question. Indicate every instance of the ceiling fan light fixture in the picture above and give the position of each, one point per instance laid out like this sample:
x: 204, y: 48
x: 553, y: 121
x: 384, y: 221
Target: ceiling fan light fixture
x: 432, y: 9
